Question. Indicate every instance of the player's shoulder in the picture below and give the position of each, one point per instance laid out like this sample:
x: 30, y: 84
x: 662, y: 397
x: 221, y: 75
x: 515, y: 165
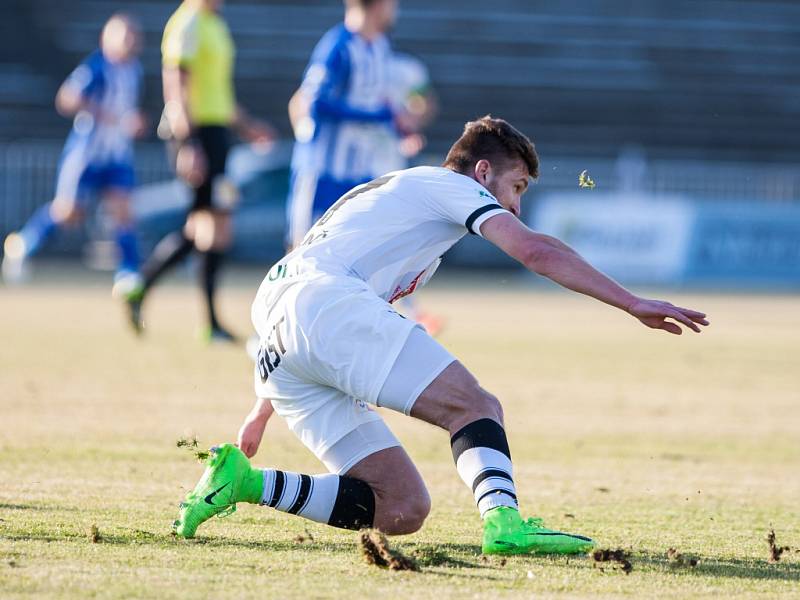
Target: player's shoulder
x: 91, y: 69
x: 426, y: 180
x: 184, y: 20
x: 95, y: 60
x: 332, y: 42
x: 441, y: 175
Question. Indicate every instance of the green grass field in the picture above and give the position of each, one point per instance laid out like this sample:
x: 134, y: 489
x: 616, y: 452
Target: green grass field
x: 642, y: 440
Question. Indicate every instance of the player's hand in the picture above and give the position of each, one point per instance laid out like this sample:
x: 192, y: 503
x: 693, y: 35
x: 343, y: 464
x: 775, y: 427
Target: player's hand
x: 257, y: 132
x: 411, y: 145
x: 250, y: 434
x: 654, y: 314
x: 406, y: 123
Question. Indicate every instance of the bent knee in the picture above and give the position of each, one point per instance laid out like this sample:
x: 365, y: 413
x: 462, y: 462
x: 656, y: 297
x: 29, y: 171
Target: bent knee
x: 407, y: 515
x: 65, y: 211
x: 480, y: 404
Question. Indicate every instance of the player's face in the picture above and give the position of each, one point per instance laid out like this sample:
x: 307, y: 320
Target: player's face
x: 385, y: 13
x: 214, y: 5
x: 507, y: 185
x: 121, y: 40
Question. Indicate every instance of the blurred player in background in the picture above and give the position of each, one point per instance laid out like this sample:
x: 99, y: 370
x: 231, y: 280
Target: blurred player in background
x: 200, y: 107
x: 102, y: 95
x: 343, y: 113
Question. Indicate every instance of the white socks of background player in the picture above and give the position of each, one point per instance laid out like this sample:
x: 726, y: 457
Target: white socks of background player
x: 483, y: 461
x: 335, y: 500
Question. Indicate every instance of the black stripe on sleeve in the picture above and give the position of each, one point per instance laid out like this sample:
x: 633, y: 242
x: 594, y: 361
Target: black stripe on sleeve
x: 302, y: 495
x: 490, y: 473
x: 277, y: 492
x: 477, y: 213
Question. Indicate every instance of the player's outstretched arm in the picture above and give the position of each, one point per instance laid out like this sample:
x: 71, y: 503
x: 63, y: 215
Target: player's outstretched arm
x: 551, y: 258
x: 252, y: 430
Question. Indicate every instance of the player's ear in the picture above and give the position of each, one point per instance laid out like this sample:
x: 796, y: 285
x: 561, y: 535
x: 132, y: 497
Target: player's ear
x: 482, y: 170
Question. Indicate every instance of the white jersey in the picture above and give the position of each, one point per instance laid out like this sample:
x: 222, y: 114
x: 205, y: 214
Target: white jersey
x: 389, y: 233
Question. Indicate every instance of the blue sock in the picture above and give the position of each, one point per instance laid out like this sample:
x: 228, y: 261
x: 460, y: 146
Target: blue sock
x: 38, y: 228
x: 128, y: 249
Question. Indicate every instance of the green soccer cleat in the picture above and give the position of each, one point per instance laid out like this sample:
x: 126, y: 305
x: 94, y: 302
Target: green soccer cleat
x: 133, y: 308
x: 228, y: 479
x: 504, y: 532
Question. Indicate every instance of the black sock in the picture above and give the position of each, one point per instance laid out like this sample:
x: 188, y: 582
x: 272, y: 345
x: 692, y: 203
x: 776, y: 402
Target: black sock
x: 168, y: 252
x: 483, y: 461
x: 209, y: 267
x: 355, y: 505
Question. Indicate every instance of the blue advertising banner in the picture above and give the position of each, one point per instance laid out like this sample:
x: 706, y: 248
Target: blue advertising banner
x: 752, y: 243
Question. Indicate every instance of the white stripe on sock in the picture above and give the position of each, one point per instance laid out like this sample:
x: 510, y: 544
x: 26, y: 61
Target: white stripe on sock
x: 320, y: 503
x: 321, y: 497
x: 494, y: 483
x: 290, y: 491
x: 494, y: 500
x: 269, y: 485
x: 473, y: 461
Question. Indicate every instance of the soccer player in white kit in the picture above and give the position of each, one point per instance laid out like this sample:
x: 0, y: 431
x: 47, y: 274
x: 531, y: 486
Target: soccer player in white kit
x: 332, y: 347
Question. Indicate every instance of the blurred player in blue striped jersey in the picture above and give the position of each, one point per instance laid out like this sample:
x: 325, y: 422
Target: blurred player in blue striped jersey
x: 342, y: 113
x: 102, y: 94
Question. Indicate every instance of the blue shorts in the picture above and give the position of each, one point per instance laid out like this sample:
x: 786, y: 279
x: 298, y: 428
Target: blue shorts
x: 82, y: 181
x: 310, y: 195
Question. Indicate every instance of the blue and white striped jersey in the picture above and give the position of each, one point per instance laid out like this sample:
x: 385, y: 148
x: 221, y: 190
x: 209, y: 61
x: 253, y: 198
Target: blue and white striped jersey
x: 347, y: 84
x: 112, y: 91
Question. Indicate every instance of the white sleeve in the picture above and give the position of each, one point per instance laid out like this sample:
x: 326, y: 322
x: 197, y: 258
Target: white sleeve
x: 461, y: 200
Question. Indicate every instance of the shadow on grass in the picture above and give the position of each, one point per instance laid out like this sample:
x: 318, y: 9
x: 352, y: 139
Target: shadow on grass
x: 4, y: 506
x: 739, y: 568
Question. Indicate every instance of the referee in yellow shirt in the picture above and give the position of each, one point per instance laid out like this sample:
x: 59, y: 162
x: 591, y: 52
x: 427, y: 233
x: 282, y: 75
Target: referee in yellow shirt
x: 200, y: 107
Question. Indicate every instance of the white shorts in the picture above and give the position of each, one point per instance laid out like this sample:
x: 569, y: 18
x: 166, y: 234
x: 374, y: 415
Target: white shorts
x: 327, y: 347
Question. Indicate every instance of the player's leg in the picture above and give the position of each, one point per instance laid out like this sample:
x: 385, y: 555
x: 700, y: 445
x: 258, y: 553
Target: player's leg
x: 74, y: 180
x: 211, y: 224
x: 119, y: 182
x: 372, y: 481
x: 205, y: 230
x: 454, y: 401
x: 210, y: 232
x: 363, y: 497
x: 381, y: 489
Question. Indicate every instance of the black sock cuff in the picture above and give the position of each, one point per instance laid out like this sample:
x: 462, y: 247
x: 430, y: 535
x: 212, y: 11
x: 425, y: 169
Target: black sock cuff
x: 483, y: 433
x: 355, y: 505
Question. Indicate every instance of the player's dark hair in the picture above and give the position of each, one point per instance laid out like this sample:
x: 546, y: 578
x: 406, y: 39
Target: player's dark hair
x: 495, y: 140
x: 361, y: 3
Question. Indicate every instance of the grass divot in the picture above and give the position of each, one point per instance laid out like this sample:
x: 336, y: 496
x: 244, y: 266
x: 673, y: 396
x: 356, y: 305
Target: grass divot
x: 775, y: 551
x: 677, y: 559
x: 193, y: 446
x: 94, y: 534
x: 375, y: 550
x: 618, y: 556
